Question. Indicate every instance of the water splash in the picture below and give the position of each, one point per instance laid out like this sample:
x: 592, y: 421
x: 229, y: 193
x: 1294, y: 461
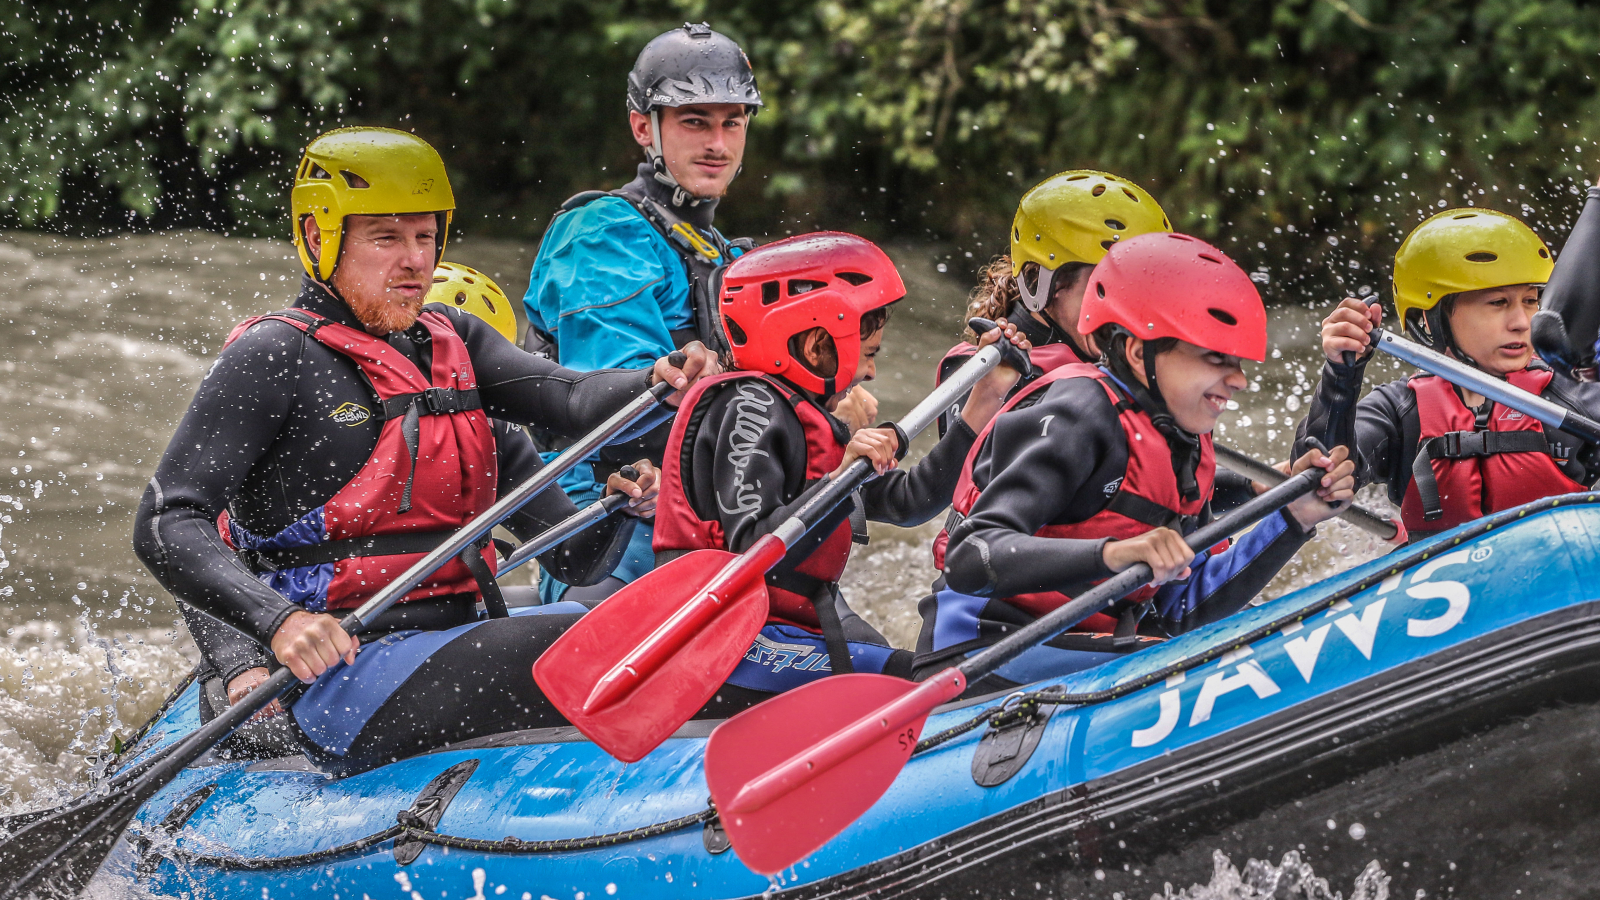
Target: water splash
x: 1291, y: 879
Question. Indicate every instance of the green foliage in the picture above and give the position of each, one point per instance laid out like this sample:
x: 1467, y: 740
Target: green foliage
x: 1248, y: 119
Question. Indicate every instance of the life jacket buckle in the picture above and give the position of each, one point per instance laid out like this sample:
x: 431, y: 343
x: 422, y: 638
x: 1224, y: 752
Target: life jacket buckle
x: 441, y: 401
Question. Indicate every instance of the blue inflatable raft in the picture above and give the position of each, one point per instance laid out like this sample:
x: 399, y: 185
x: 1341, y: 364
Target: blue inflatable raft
x: 1263, y: 721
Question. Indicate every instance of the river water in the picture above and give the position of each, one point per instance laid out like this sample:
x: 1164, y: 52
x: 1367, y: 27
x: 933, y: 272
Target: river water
x: 102, y: 346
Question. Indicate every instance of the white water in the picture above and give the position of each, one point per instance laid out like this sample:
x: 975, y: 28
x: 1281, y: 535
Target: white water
x: 1291, y: 879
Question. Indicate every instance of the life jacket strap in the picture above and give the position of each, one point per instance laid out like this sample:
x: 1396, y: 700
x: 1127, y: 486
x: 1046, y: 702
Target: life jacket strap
x: 260, y: 561
x: 432, y: 402
x: 1465, y: 445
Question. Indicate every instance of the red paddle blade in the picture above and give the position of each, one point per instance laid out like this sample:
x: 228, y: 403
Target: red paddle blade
x: 687, y: 670
x: 793, y: 772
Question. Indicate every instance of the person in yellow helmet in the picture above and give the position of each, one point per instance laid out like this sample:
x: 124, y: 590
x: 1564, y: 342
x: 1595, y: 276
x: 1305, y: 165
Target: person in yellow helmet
x: 465, y: 288
x: 1063, y: 227
x: 335, y: 442
x: 1467, y: 283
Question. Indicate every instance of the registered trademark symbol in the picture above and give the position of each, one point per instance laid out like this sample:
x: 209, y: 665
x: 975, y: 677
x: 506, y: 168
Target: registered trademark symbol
x: 1482, y: 553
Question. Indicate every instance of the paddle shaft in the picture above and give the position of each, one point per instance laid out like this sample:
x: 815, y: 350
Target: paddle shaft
x: 656, y: 649
x: 151, y: 775
x: 901, y: 714
x: 1502, y: 392
x: 1256, y: 470
x: 562, y: 530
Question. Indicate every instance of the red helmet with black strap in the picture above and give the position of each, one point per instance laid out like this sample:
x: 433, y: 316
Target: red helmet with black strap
x: 1173, y: 285
x: 827, y: 280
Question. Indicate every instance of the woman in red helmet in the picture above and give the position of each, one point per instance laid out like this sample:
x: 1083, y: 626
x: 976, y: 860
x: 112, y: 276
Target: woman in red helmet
x: 1091, y: 469
x: 805, y: 318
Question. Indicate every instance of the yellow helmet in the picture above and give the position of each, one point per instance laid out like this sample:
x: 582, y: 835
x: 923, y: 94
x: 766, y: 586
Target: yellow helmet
x: 1075, y: 217
x: 468, y: 289
x: 365, y: 172
x: 1466, y: 250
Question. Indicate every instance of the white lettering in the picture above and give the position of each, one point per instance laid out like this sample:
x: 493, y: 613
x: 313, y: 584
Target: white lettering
x: 1303, y: 651
x: 1044, y: 426
x: 750, y: 422
x: 1167, y: 721
x: 1454, y: 592
x: 1363, y: 628
x: 1249, y: 674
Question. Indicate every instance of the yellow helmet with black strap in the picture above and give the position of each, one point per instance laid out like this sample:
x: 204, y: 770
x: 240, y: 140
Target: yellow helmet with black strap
x: 1462, y: 250
x: 1075, y: 217
x: 365, y: 172
x: 469, y: 290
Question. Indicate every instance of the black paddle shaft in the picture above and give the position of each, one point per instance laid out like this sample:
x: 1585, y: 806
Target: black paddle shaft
x: 56, y: 854
x: 1128, y: 580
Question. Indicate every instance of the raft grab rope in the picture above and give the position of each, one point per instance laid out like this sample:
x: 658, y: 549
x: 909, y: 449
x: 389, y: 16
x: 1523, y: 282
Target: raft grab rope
x: 415, y: 826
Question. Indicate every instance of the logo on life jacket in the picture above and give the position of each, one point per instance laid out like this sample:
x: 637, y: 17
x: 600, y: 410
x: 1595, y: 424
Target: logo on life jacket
x: 1510, y: 415
x: 780, y: 655
x: 350, y: 414
x: 1111, y: 487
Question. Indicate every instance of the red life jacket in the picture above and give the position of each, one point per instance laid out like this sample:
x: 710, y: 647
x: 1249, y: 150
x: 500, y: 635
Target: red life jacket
x: 1146, y: 498
x: 679, y: 527
x: 433, y: 469
x: 1461, y: 473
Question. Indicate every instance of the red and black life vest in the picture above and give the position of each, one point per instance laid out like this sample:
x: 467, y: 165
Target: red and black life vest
x: 1147, y: 497
x: 1462, y: 471
x: 433, y: 469
x: 680, y: 528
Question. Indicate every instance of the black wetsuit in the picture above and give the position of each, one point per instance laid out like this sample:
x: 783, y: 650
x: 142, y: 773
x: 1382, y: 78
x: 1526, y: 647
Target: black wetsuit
x: 1058, y: 461
x: 751, y: 469
x: 260, y: 439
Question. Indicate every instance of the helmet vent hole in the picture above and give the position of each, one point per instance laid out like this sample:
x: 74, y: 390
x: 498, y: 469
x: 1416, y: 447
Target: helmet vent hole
x: 1077, y: 178
x: 731, y: 289
x: 1097, y: 190
x: 769, y: 293
x: 1543, y: 253
x: 1223, y: 316
x: 735, y: 333
x: 1209, y: 258
x: 855, y: 278
x: 490, y: 303
x: 1100, y: 288
x: 355, y: 181
x: 317, y: 171
x: 1482, y: 256
x: 1114, y: 225
x: 798, y: 286
x: 461, y: 298
x: 1107, y: 244
x: 439, y: 279
x: 1466, y: 216
x: 1131, y: 195
x: 1016, y: 234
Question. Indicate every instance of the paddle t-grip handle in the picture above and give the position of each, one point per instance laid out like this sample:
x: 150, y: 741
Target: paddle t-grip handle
x: 1010, y: 354
x: 1502, y: 392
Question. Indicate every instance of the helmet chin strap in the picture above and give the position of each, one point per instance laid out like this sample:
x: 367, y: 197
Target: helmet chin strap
x: 1036, y: 299
x: 658, y: 162
x: 1185, y: 446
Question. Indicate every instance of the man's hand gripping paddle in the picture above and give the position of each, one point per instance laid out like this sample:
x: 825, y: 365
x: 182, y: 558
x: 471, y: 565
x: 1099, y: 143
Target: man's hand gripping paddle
x: 644, y: 661
x: 56, y: 851
x: 789, y: 774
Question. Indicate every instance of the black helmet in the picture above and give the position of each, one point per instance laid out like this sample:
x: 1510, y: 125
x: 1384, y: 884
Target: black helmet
x: 691, y: 64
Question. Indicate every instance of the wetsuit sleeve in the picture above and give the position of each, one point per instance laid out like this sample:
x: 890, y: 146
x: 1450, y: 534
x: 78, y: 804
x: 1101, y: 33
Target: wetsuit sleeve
x: 236, y: 415
x: 583, y: 559
x: 226, y: 650
x: 913, y: 496
x: 1219, y: 586
x: 757, y: 460
x: 1044, y: 459
x: 1382, y: 428
x: 530, y: 390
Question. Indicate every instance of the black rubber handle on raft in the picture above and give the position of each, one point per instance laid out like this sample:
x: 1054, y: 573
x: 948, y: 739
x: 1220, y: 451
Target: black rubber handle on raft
x: 1010, y: 354
x: 1129, y: 580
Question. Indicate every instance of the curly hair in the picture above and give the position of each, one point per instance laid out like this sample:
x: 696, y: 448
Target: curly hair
x: 995, y: 292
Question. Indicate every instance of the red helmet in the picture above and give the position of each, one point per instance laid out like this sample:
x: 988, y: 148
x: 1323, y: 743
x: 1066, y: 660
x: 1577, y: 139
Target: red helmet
x: 1172, y: 285
x: 828, y: 279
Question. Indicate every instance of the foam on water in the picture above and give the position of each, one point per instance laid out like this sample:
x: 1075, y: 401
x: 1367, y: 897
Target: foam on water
x: 1290, y: 879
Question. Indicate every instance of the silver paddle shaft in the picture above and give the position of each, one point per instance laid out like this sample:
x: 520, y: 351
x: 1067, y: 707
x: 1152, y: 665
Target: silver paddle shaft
x: 1256, y: 470
x: 1502, y: 392
x: 562, y: 530
x: 921, y: 416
